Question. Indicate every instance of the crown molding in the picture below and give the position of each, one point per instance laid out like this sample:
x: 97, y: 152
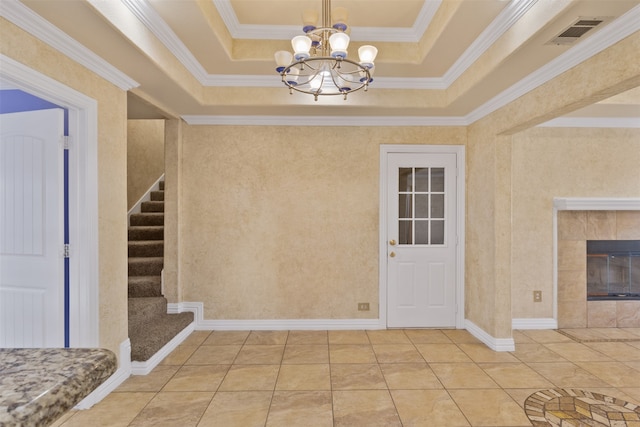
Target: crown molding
x: 20, y: 15
x: 323, y: 121
x: 593, y: 122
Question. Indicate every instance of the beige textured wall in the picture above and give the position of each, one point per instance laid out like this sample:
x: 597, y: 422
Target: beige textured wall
x: 282, y: 222
x: 145, y: 157
x: 561, y: 162
x: 112, y: 170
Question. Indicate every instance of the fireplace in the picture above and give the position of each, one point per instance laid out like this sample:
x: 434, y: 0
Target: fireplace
x: 613, y: 270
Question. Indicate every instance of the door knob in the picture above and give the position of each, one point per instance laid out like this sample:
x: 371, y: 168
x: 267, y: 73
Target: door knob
x: 392, y: 254
x: 392, y: 242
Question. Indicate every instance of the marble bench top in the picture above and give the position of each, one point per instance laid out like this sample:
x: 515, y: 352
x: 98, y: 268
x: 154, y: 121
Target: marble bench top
x: 38, y: 385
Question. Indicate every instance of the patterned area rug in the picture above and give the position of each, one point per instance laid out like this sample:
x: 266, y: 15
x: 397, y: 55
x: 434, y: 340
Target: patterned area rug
x: 579, y: 408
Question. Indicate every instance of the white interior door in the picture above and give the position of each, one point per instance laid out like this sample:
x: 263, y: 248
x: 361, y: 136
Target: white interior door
x: 421, y: 239
x: 31, y: 227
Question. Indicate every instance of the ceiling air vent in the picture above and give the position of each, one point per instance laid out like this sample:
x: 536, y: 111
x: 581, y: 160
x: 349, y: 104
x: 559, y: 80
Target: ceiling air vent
x: 579, y: 28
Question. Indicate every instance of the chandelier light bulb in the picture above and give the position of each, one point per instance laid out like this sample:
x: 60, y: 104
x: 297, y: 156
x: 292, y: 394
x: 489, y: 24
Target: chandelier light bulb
x: 367, y: 54
x: 301, y: 46
x: 309, y: 20
x: 292, y: 76
x: 339, y: 43
x: 283, y: 59
x: 340, y: 16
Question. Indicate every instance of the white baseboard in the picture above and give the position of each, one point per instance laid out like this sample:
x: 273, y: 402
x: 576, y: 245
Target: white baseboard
x: 143, y: 368
x: 531, y: 323
x: 119, y: 376
x: 495, y: 344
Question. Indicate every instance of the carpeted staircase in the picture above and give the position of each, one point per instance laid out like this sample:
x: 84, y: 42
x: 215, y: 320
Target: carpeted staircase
x: 150, y: 327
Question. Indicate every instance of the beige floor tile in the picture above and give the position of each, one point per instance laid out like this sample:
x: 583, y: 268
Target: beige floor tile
x: 619, y: 333
x: 434, y: 353
x: 357, y: 377
x: 577, y: 352
x: 64, y: 417
x: 197, y: 378
x: 250, y: 378
x: 237, y: 409
x: 308, y: 337
x: 632, y: 393
x: 410, y: 376
x: 172, y: 409
x: 567, y: 375
x: 480, y: 353
x: 418, y: 408
x: 214, y: 355
x: 520, y: 338
x: 307, y: 353
x: 348, y: 337
x: 154, y: 381
x: 584, y: 333
x: 520, y: 394
x: 266, y: 354
x: 304, y: 377
x: 371, y: 408
x: 616, y: 350
x: 196, y: 338
x: 462, y: 375
x: 617, y: 374
x: 388, y: 336
x: 115, y: 410
x: 427, y: 336
x: 227, y: 338
x: 180, y: 355
x: 515, y: 375
x: 397, y: 353
x: 535, y: 352
x: 545, y: 336
x: 491, y: 407
x: 301, y: 408
x: 460, y: 336
x: 267, y: 337
x: 351, y: 353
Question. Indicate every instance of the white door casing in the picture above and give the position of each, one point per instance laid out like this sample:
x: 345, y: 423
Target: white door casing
x: 31, y: 229
x: 422, y: 236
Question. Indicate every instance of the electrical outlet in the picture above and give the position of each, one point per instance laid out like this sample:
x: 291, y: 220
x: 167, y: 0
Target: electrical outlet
x: 363, y: 306
x: 537, y: 296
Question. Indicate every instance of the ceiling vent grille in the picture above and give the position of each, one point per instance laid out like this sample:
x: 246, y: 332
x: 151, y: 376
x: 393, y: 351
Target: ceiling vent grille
x: 575, y: 31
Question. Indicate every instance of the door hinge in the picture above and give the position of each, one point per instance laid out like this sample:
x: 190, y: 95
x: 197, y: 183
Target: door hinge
x: 65, y: 251
x: 65, y: 141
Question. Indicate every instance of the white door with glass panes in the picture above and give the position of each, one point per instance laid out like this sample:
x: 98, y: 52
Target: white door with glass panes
x: 421, y: 239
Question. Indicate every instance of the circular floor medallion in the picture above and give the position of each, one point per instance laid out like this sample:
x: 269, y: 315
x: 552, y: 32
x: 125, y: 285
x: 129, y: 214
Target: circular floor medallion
x: 579, y: 408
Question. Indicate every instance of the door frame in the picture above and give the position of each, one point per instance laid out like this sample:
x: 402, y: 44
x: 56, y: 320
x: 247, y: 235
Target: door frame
x: 83, y: 194
x: 459, y: 151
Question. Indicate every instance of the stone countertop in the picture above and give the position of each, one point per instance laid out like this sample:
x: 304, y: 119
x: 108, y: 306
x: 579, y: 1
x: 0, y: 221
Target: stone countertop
x: 38, y: 385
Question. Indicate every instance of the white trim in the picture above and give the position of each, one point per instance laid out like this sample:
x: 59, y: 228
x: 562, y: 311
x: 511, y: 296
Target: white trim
x: 593, y: 122
x: 83, y: 194
x: 34, y: 24
x: 137, y: 208
x: 583, y: 204
x: 143, y: 368
x: 323, y: 121
x: 530, y: 323
x: 459, y: 151
x: 495, y: 344
x: 122, y: 373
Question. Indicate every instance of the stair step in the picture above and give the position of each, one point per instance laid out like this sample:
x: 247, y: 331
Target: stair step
x: 157, y: 196
x: 161, y: 184
x: 147, y: 218
x: 152, y: 206
x: 146, y: 248
x: 144, y: 286
x: 145, y: 266
x: 145, y: 232
x: 147, y: 338
x: 146, y: 309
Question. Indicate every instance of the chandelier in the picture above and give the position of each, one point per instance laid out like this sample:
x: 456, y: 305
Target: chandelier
x: 319, y: 64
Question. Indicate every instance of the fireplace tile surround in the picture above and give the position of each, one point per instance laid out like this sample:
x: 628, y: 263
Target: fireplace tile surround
x: 575, y: 227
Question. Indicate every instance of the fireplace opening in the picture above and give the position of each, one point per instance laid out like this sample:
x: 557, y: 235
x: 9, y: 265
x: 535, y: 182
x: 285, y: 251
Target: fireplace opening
x: 613, y: 270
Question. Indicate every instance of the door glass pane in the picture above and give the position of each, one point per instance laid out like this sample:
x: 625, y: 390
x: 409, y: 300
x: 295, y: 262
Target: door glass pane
x: 422, y: 179
x: 405, y: 233
x: 404, y: 206
x: 437, y: 232
x: 405, y: 179
x: 422, y: 232
x: 437, y: 206
x: 422, y: 206
x: 437, y: 179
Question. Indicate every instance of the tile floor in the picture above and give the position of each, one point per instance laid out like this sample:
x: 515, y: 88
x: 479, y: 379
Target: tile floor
x: 443, y: 378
